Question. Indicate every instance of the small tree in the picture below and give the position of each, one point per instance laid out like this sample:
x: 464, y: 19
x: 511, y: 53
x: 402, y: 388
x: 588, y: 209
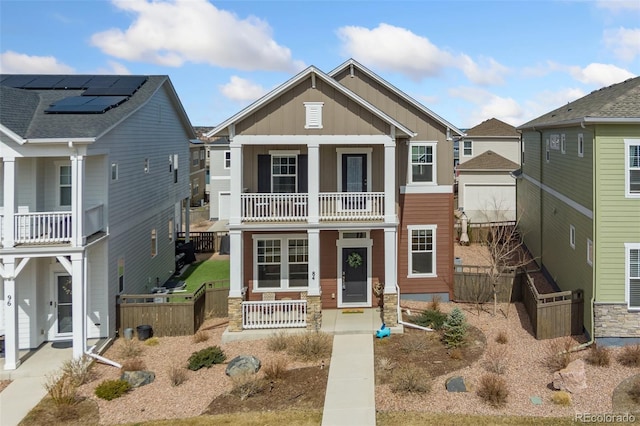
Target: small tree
x: 455, y: 329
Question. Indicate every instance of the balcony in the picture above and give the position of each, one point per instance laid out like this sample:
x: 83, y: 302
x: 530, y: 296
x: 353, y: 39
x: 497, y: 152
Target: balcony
x: 333, y: 206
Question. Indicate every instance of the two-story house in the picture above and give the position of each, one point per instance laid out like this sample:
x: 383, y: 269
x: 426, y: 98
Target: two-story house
x: 197, y: 172
x: 578, y: 194
x: 93, y: 173
x: 341, y: 189
x: 488, y: 153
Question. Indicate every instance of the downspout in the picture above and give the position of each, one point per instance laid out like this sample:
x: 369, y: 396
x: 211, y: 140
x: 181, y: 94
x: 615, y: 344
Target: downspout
x: 407, y: 324
x: 100, y: 358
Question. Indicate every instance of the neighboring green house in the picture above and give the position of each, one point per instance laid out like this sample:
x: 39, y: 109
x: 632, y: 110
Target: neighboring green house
x: 578, y: 197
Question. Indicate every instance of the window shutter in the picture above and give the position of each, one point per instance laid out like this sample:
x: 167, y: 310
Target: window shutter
x: 264, y: 173
x: 303, y: 173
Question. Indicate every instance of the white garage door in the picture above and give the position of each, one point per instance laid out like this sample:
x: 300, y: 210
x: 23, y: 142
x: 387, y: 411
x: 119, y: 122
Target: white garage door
x: 486, y: 203
x: 224, y: 199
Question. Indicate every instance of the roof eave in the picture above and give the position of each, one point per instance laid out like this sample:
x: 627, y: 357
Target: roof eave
x: 12, y: 135
x: 581, y: 121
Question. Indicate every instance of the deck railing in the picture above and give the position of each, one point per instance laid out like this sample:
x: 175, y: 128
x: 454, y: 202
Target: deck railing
x: 351, y: 205
x: 42, y: 227
x: 274, y: 207
x: 274, y: 314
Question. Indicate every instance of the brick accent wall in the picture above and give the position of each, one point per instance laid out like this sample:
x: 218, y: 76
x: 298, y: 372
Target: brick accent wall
x: 390, y: 314
x: 314, y: 313
x: 235, y: 313
x: 615, y: 320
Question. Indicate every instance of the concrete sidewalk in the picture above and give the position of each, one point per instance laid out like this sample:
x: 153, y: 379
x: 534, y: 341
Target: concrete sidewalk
x: 350, y: 397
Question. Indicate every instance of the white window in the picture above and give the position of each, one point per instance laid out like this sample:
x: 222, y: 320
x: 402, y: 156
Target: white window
x: 281, y: 271
x: 632, y: 260
x: 283, y: 173
x: 121, y: 275
x: 589, y: 252
x: 171, y: 164
x: 632, y: 168
x: 547, y: 152
x: 313, y: 115
x: 114, y: 171
x: 195, y: 160
x: 170, y: 229
x: 563, y: 143
x: 202, y: 155
x: 422, y: 163
x: 227, y: 159
x: 467, y: 148
x: 146, y: 165
x: 64, y: 185
x: 175, y: 168
x: 522, y: 151
x: 572, y: 236
x: 154, y: 243
x: 422, y: 250
x: 580, y: 145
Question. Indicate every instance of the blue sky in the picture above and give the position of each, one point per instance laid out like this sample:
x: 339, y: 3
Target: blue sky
x: 467, y: 61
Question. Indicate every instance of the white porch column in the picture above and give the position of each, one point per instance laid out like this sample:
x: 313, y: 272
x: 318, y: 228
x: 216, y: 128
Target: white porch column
x: 78, y: 313
x: 390, y: 260
x: 8, y: 235
x: 11, y: 358
x: 390, y: 182
x: 235, y: 263
x: 77, y: 199
x: 314, y: 183
x: 187, y: 219
x: 235, y: 213
x: 314, y: 262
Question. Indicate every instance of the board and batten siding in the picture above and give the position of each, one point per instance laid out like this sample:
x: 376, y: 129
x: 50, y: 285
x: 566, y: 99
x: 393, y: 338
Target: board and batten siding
x: 507, y: 148
x: 617, y: 217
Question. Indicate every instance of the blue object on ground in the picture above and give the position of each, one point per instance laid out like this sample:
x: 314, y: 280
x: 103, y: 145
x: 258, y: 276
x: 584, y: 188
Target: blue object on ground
x: 383, y: 332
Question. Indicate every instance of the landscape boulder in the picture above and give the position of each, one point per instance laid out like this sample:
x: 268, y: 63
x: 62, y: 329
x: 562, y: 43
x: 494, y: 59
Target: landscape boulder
x: 138, y: 378
x: 572, y: 379
x: 243, y: 364
x: 456, y: 384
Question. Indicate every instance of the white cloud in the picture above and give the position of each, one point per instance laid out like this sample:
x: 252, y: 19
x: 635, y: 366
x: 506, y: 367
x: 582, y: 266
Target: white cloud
x: 113, y: 68
x: 240, y: 89
x: 618, y: 5
x: 600, y: 74
x: 19, y: 63
x: 173, y: 32
x: 548, y: 100
x: 625, y: 42
x: 487, y: 105
x: 397, y: 49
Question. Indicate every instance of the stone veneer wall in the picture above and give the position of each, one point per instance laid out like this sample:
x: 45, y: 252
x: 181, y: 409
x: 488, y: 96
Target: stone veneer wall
x: 235, y: 314
x: 615, y: 320
x: 390, y: 315
x: 314, y: 313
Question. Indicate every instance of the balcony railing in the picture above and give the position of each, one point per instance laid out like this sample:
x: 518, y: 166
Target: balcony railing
x: 42, y: 227
x: 274, y: 314
x: 93, y: 220
x: 294, y: 207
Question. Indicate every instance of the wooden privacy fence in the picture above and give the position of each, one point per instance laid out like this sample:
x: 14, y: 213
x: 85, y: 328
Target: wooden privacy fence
x: 173, y: 314
x: 481, y: 232
x: 203, y: 242
x: 553, y: 314
x: 473, y: 284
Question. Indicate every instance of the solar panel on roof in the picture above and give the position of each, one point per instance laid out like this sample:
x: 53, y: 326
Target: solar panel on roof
x: 109, y: 91
x: 73, y: 82
x: 18, y: 81
x: 130, y: 81
x: 107, y: 100
x: 85, y: 104
x: 72, y: 100
x: 102, y: 81
x: 43, y: 82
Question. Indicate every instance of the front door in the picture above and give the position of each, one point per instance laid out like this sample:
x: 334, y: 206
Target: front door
x: 63, y: 324
x: 354, y: 275
x: 354, y: 179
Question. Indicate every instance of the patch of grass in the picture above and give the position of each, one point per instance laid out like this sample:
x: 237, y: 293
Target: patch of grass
x: 634, y: 392
x: 152, y: 341
x: 493, y: 390
x: 630, y: 356
x: 177, y: 375
x: 395, y: 418
x: 275, y: 369
x: 562, y: 398
x: 409, y: 379
x: 495, y: 359
x: 502, y: 337
x: 84, y: 412
x: 129, y: 349
x: 200, y: 336
x: 599, y: 356
x: 201, y: 272
x: 311, y: 346
x: 133, y: 364
x: 278, y: 342
x: 557, y: 355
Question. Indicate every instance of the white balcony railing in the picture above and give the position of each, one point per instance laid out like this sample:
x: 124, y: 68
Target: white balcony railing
x: 274, y: 207
x: 351, y: 205
x: 42, y: 227
x: 274, y: 314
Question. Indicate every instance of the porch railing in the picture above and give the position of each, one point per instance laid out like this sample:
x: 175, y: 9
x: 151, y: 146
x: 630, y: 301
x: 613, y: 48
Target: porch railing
x: 274, y: 314
x: 351, y: 205
x: 42, y: 227
x: 274, y: 207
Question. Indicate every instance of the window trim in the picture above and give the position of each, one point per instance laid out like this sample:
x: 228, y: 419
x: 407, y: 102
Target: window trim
x: 464, y: 148
x: 147, y: 165
x: 627, y: 273
x: 195, y: 158
x: 226, y: 161
x: 627, y: 168
x: 572, y: 236
x: 589, y: 252
x: 434, y: 162
x: 284, y: 262
x: 547, y: 151
x: 563, y: 143
x: 114, y: 168
x: 281, y: 154
x: 154, y: 243
x: 433, y: 229
x: 580, y: 145
x: 59, y: 186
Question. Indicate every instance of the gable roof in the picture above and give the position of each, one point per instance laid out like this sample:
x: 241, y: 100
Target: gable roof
x: 486, y: 161
x: 618, y: 103
x: 23, y: 117
x: 493, y: 127
x: 221, y: 129
x: 353, y: 63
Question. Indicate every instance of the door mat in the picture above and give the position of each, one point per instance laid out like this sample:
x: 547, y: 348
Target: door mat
x: 353, y: 311
x: 62, y: 344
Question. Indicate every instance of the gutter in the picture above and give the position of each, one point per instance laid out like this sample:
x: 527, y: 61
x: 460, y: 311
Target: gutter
x: 407, y: 324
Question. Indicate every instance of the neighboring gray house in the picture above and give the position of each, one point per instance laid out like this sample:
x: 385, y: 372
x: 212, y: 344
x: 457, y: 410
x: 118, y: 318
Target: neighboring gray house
x: 93, y: 173
x: 219, y: 179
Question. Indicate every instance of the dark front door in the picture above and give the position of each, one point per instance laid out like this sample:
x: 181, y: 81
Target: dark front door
x: 354, y: 180
x: 354, y: 275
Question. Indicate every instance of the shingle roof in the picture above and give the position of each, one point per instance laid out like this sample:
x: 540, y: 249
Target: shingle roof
x: 488, y: 160
x: 618, y: 101
x: 493, y: 127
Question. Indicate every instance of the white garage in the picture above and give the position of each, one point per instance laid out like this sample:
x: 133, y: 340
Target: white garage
x: 488, y: 202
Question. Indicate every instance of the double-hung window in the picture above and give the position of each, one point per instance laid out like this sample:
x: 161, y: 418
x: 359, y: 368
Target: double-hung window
x: 422, y: 250
x: 422, y: 163
x: 227, y: 159
x: 632, y: 168
x: 282, y: 263
x: 467, y: 148
x: 632, y: 253
x: 64, y: 185
x: 283, y: 173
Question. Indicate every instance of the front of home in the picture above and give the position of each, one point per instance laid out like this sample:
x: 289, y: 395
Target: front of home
x: 341, y: 197
x: 579, y: 204
x: 93, y: 176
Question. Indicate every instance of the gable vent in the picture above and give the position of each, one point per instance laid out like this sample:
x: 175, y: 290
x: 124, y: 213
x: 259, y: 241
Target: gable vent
x: 313, y: 115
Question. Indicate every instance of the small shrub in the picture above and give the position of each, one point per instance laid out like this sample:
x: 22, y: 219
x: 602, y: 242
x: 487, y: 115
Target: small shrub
x: 561, y: 398
x: 456, y: 353
x: 434, y: 305
x: 112, y: 389
x: 430, y: 318
x: 493, y: 390
x: 152, y: 341
x: 275, y: 369
x: 455, y: 329
x: 385, y: 364
x: 177, y: 375
x: 495, y: 359
x: 133, y: 364
x: 502, y: 337
x: 311, y: 346
x: 200, y: 336
x: 557, y: 353
x: 634, y: 392
x: 630, y: 356
x: 206, y: 358
x: 247, y: 385
x: 278, y: 342
x: 413, y: 342
x: 61, y: 389
x: 599, y: 356
x: 129, y: 349
x: 78, y: 369
x: 410, y: 380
